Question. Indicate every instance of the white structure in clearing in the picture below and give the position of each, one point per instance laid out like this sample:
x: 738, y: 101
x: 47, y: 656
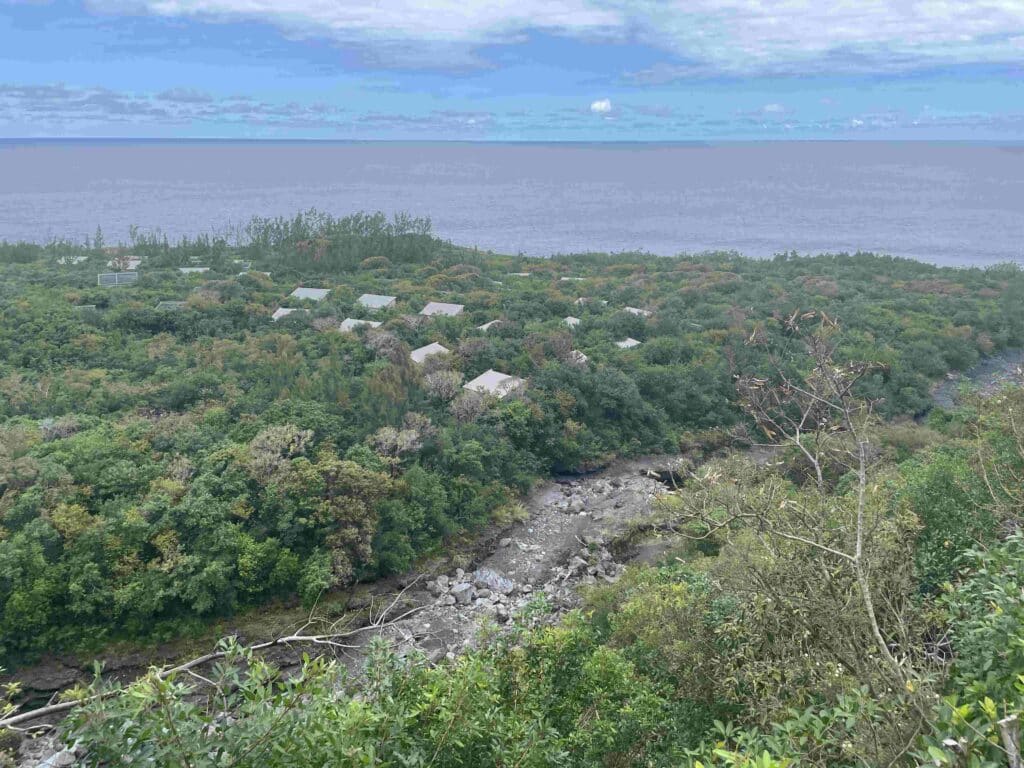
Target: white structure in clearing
x: 638, y: 312
x: 583, y: 300
x: 193, y: 270
x: 284, y: 312
x: 578, y: 358
x: 421, y: 354
x: 571, y: 321
x: 492, y: 382
x: 376, y: 301
x: 125, y: 263
x: 572, y: 279
x: 628, y: 343
x: 349, y: 324
x: 316, y: 294
x: 487, y: 326
x: 440, y: 308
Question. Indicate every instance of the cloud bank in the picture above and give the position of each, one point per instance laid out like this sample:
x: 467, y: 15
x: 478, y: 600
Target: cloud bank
x: 724, y: 36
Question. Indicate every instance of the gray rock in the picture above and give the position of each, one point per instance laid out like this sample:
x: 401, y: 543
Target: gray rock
x: 62, y: 759
x: 442, y: 580
x: 483, y: 593
x: 435, y: 589
x: 527, y: 589
x: 459, y: 574
x: 448, y: 600
x: 463, y: 593
x: 487, y: 578
x: 577, y: 564
x: 506, y: 542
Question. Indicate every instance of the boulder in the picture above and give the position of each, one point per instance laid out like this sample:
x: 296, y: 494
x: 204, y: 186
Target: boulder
x: 506, y: 542
x: 463, y: 593
x: 486, y: 578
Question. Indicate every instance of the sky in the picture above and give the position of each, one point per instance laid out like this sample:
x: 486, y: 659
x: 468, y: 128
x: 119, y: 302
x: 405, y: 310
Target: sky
x: 513, y: 70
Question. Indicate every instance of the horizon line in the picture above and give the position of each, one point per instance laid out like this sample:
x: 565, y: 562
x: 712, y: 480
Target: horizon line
x: 567, y: 142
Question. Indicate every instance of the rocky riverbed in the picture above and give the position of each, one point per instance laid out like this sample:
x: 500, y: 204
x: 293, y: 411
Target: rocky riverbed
x: 564, y: 543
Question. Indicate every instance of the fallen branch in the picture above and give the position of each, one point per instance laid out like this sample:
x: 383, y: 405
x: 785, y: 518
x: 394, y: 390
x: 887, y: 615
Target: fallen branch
x: 331, y: 638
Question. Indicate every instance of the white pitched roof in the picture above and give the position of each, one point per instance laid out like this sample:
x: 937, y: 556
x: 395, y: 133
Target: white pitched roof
x: 316, y: 294
x: 519, y: 274
x: 487, y: 326
x: 571, y: 321
x: 627, y: 343
x: 571, y: 279
x: 440, y: 308
x: 376, y: 301
x: 193, y: 270
x: 284, y: 312
x: 492, y: 382
x: 349, y: 324
x: 421, y: 354
x: 635, y: 311
x: 130, y: 263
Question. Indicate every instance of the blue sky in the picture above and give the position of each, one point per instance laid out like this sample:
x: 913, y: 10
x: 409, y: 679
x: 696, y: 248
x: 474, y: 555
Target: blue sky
x: 543, y: 70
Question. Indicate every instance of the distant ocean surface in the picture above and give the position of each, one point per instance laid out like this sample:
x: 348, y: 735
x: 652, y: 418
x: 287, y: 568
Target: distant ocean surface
x: 948, y: 203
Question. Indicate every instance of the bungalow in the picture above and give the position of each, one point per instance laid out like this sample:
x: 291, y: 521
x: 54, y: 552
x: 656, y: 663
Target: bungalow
x: 571, y: 321
x: 315, y: 294
x: 375, y: 301
x: 582, y: 300
x: 349, y: 324
x: 421, y: 354
x: 572, y: 279
x: 193, y: 270
x: 492, y: 382
x: 440, y: 308
x: 284, y: 312
x: 488, y: 325
x: 125, y: 263
x: 627, y: 343
x: 638, y: 312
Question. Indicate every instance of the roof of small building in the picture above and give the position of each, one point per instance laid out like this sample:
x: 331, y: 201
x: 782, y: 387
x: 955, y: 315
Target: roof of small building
x: 128, y: 262
x: 316, y: 294
x: 376, y: 301
x: 284, y: 312
x: 636, y: 311
x: 488, y: 325
x: 421, y: 354
x: 628, y: 343
x: 441, y: 308
x: 492, y: 382
x: 193, y: 270
x: 170, y: 305
x: 349, y: 324
x: 571, y: 321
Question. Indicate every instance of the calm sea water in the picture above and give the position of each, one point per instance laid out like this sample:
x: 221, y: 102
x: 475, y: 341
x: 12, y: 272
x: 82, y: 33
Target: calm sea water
x: 946, y: 203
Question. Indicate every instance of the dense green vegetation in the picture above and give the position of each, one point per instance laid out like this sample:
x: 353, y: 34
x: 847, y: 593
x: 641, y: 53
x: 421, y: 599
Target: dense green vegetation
x: 159, y: 467
x: 752, y: 647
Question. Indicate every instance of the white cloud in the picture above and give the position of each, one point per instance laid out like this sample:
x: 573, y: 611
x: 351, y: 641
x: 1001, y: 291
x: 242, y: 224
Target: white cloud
x: 736, y: 36
x: 773, y: 109
x: 601, y: 106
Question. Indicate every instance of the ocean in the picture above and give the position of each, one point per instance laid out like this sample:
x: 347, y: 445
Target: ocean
x: 947, y: 203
